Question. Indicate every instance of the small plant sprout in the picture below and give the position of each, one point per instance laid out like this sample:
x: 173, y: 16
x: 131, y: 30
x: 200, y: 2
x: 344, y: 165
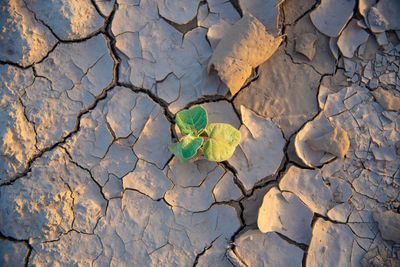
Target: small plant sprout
x: 215, y: 141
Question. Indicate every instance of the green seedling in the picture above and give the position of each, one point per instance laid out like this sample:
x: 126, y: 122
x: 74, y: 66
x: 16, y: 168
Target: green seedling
x: 215, y: 141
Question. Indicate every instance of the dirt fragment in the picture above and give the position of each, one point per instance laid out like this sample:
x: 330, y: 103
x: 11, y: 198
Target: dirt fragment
x: 246, y: 45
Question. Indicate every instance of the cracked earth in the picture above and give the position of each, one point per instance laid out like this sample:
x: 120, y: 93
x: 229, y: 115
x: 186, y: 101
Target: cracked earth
x: 89, y: 93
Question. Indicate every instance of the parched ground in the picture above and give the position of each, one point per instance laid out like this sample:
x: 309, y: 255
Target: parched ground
x: 88, y: 95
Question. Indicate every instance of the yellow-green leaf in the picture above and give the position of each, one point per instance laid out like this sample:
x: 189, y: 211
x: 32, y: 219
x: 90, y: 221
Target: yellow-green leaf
x: 222, y: 141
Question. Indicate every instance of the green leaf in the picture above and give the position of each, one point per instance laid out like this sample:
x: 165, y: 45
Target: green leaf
x: 222, y: 142
x: 176, y: 149
x: 187, y: 148
x: 192, y: 121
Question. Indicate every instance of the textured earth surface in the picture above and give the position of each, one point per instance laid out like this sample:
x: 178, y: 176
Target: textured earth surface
x: 88, y: 96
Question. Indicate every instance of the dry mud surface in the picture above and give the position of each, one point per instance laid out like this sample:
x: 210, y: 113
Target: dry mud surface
x: 88, y: 95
